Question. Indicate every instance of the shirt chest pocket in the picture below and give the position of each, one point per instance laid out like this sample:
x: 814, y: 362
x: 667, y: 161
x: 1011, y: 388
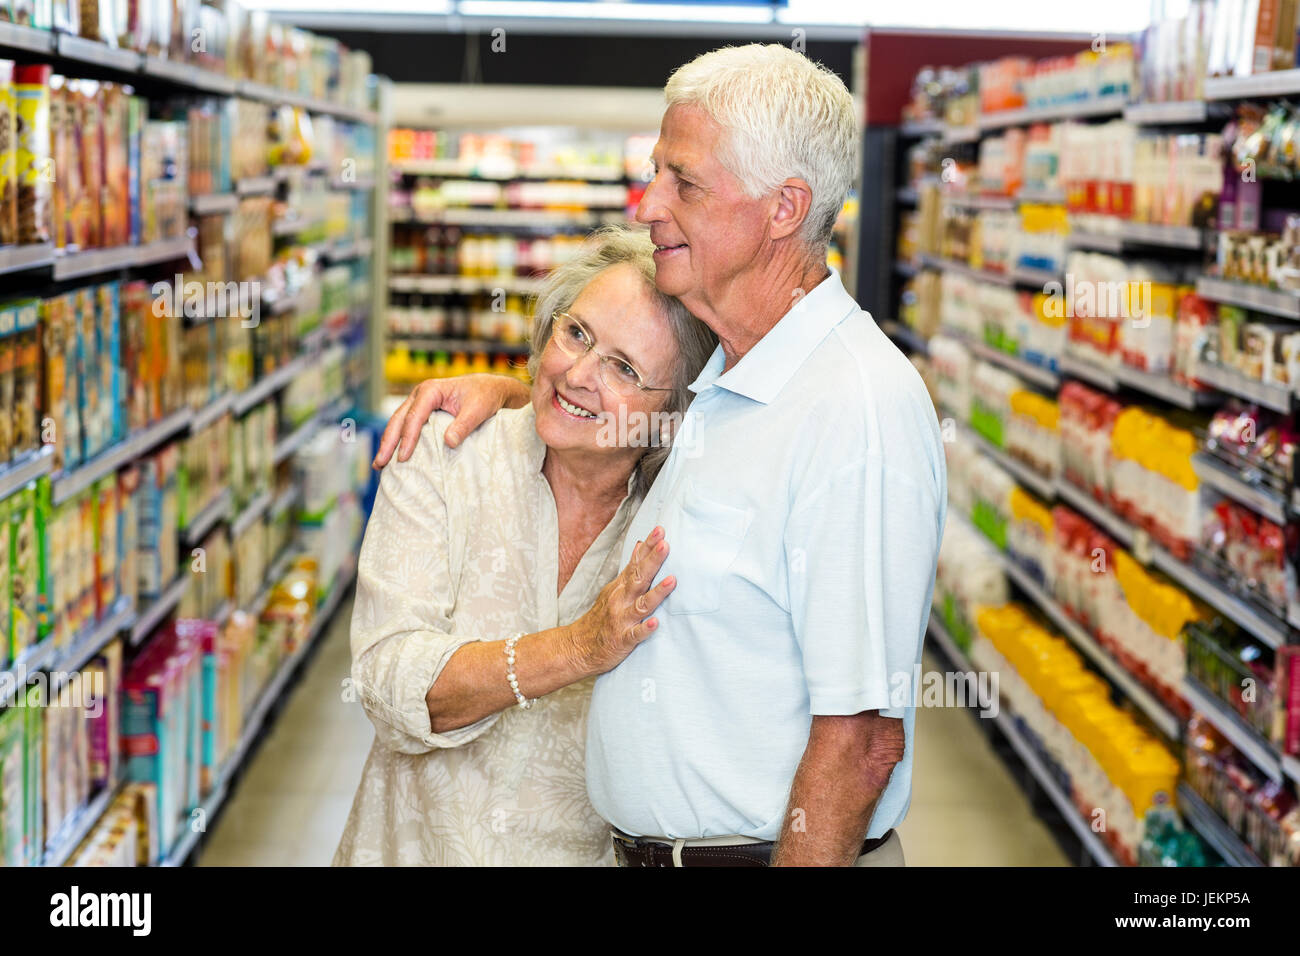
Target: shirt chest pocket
x: 707, y: 541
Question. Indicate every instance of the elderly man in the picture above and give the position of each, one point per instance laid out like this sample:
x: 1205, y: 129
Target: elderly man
x: 769, y: 720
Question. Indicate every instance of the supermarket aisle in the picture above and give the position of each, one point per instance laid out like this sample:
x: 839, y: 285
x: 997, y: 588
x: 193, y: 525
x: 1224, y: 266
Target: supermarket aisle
x: 966, y: 810
x: 290, y: 807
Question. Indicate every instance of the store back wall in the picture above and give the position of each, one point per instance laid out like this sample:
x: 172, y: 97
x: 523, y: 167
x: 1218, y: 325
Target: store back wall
x: 586, y: 60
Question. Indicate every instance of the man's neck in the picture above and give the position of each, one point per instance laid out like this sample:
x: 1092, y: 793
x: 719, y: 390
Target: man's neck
x: 748, y: 306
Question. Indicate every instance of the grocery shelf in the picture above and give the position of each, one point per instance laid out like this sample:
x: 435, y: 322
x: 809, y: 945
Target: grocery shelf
x: 1269, y: 502
x: 266, y: 386
x: 1095, y: 241
x: 252, y: 512
x: 31, y: 660
x: 523, y: 218
x: 68, y: 484
x: 960, y: 134
x: 77, y: 265
x: 257, y: 716
x: 213, y: 204
x: 36, y: 255
x: 1041, y: 197
x: 27, y: 39
x: 454, y: 168
x: 1213, y: 829
x: 255, y: 186
x: 1165, y: 720
x: 1171, y: 113
x: 283, y: 500
x: 918, y: 128
x: 434, y: 285
x: 287, y: 446
x: 276, y: 97
x: 362, y: 183
x: 149, y: 619
x: 907, y: 269
x: 1100, y: 106
x: 1238, y: 733
x: 281, y: 228
x: 961, y: 268
x: 1025, y: 476
x: 1091, y: 842
x: 71, y: 835
x: 1090, y: 372
x: 1265, y: 627
x: 20, y: 474
x: 905, y: 335
x: 86, y: 646
x: 210, y: 412
x: 350, y: 249
x: 213, y: 513
x: 906, y: 196
x: 1291, y: 767
x: 420, y: 343
x: 1116, y: 374
x: 190, y: 834
x: 1027, y: 370
x: 1232, y: 382
x: 1276, y: 83
x: 96, y: 53
x: 1027, y: 275
x: 1097, y: 513
x: 976, y: 201
x: 1161, y: 386
x: 1260, y: 298
x: 188, y: 74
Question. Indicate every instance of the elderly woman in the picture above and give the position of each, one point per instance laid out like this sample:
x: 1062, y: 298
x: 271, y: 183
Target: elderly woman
x: 489, y: 596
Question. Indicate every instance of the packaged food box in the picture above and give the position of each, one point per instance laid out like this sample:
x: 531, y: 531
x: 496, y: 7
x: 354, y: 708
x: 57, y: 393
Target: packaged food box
x: 24, y: 574
x: 34, y: 171
x: 26, y: 406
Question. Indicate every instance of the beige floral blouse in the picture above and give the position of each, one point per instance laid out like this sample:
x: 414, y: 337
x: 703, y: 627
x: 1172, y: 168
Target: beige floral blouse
x: 463, y: 546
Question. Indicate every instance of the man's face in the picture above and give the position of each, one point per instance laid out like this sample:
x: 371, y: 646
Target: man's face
x: 709, y: 229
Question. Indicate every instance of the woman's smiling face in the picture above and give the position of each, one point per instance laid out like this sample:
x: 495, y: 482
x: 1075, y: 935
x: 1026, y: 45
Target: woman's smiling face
x: 619, y: 310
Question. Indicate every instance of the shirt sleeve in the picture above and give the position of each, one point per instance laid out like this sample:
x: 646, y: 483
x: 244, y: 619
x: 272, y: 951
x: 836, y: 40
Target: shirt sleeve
x: 401, y: 620
x: 860, y: 554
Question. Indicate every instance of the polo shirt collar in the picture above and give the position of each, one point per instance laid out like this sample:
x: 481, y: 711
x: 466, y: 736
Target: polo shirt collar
x: 774, y: 359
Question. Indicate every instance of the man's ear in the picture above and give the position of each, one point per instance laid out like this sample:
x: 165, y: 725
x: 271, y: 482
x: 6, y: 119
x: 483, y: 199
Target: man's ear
x: 793, y: 203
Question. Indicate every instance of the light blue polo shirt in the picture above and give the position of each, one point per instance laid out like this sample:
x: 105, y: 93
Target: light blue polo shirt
x: 803, y: 503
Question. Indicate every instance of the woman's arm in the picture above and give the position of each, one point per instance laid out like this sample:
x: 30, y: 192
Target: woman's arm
x: 403, y: 643
x: 472, y: 399
x: 473, y: 685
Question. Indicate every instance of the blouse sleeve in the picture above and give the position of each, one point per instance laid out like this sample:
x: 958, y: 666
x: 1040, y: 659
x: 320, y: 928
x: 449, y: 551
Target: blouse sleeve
x: 401, y: 620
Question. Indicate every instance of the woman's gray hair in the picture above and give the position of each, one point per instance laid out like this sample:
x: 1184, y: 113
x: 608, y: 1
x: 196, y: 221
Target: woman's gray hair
x: 624, y: 245
x: 783, y: 115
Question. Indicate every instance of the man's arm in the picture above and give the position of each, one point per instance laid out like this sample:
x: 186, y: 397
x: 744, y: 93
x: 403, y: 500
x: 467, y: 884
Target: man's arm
x: 844, y: 770
x: 473, y: 399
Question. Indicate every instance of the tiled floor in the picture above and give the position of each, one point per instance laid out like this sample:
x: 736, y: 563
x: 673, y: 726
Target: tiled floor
x: 290, y: 806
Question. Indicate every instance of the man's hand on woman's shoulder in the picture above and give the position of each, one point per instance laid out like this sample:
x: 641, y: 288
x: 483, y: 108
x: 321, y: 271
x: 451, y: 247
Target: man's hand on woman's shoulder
x: 472, y: 399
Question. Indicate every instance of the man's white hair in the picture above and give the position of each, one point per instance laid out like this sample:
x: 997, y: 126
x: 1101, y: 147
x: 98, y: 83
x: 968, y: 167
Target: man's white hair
x: 783, y: 116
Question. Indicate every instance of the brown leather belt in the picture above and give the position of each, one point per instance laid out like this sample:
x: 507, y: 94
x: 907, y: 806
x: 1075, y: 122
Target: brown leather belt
x: 639, y: 851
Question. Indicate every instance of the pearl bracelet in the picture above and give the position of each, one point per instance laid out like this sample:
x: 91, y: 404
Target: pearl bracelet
x: 524, y: 702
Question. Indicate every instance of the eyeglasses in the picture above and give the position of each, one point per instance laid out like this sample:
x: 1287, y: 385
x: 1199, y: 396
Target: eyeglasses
x: 618, y: 374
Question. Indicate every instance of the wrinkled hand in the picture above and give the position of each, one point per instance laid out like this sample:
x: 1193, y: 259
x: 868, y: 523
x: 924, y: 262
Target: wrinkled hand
x: 473, y: 399
x: 619, y: 620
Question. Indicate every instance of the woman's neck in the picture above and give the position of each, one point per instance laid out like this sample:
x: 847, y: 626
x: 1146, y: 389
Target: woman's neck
x: 597, y: 482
